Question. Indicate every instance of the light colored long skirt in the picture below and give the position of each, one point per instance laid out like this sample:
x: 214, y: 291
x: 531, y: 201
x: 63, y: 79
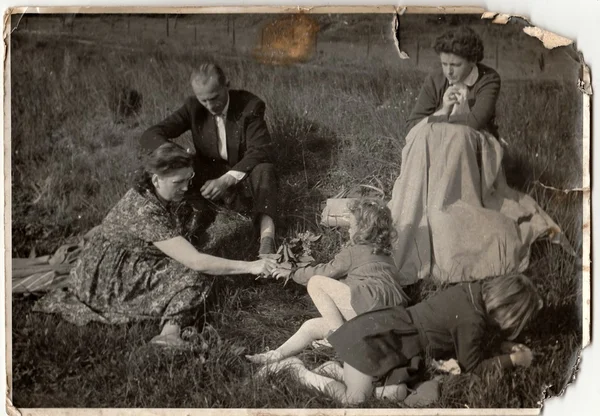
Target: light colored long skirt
x: 456, y: 217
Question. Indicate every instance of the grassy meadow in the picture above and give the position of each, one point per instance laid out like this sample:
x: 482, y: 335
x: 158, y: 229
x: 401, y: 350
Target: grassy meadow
x: 71, y: 163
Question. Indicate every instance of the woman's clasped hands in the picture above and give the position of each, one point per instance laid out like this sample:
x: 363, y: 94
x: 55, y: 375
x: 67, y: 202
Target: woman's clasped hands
x: 455, y: 100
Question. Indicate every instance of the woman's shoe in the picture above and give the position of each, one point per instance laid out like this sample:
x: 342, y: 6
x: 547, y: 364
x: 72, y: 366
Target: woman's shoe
x: 171, y: 341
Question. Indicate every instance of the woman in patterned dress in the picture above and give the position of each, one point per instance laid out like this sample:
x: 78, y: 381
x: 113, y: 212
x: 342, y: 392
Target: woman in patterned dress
x: 140, y: 265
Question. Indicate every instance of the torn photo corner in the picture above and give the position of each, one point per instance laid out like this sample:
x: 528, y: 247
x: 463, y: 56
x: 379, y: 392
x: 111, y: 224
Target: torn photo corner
x: 464, y: 134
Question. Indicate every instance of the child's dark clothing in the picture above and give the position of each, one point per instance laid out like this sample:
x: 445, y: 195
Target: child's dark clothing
x: 452, y: 321
x: 373, y: 279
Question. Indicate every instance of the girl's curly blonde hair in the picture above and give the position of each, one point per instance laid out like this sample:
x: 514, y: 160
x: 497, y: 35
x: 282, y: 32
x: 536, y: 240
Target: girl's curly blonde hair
x: 374, y: 224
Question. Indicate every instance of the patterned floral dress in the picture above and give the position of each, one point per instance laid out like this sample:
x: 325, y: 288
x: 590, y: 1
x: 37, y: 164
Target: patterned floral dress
x: 122, y: 277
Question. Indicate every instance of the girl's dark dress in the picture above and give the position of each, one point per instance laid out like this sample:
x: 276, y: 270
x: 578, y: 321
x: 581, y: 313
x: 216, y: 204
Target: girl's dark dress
x: 121, y: 276
x: 386, y: 342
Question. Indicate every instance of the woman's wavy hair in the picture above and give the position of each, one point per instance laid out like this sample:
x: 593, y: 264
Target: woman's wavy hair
x: 463, y: 42
x: 511, y: 301
x: 374, y: 224
x: 165, y: 159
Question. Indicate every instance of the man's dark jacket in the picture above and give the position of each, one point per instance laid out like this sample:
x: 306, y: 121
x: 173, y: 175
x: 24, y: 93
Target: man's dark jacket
x: 248, y: 139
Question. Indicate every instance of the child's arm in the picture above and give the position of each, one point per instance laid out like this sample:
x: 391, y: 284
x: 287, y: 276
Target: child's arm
x: 335, y: 269
x: 468, y: 338
x: 507, y: 347
x: 521, y: 358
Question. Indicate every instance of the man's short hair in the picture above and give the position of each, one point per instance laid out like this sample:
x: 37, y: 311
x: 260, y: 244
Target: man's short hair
x: 207, y: 71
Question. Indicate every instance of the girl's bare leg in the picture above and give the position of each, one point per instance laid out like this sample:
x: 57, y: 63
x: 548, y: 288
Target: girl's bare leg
x: 331, y: 369
x: 310, y: 330
x: 334, y: 370
x: 355, y: 388
x: 332, y: 299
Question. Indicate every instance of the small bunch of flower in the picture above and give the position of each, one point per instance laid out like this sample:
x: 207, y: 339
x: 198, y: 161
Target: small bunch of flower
x: 294, y: 253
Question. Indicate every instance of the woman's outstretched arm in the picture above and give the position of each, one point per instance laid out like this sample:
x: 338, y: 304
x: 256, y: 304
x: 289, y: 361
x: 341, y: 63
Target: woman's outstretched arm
x: 179, y: 249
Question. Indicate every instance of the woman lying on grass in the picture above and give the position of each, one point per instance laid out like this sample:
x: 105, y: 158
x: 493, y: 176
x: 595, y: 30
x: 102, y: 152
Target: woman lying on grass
x: 140, y: 266
x: 360, y: 278
x: 382, y: 346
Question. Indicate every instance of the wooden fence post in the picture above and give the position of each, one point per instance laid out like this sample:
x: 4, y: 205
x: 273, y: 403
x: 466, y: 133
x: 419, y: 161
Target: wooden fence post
x: 417, y: 54
x: 497, y: 53
x: 233, y: 34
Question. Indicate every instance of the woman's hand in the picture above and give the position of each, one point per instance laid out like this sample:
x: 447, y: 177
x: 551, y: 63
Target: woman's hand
x: 522, y: 358
x: 461, y: 105
x: 450, y: 98
x: 448, y: 102
x: 262, y: 266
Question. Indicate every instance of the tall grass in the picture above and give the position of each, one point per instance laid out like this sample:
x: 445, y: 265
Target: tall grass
x: 332, y: 128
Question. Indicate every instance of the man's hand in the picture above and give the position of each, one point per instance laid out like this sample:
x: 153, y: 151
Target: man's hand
x: 214, y: 189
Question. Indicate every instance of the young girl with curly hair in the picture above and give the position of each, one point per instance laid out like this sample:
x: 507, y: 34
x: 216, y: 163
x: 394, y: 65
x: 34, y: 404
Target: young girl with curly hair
x: 362, y: 277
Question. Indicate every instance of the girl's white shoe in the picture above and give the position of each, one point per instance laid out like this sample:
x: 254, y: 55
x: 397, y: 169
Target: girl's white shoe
x: 321, y: 343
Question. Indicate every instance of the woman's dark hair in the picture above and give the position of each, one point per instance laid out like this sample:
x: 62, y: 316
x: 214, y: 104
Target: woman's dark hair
x: 165, y: 159
x: 463, y: 42
x: 373, y: 224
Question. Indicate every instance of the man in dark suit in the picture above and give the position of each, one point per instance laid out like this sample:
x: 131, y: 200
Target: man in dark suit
x: 234, y: 152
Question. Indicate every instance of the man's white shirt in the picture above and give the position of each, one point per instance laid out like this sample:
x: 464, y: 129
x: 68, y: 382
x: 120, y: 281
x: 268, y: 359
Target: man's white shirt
x: 222, y: 133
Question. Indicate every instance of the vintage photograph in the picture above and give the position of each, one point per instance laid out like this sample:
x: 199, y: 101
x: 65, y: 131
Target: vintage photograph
x: 293, y: 210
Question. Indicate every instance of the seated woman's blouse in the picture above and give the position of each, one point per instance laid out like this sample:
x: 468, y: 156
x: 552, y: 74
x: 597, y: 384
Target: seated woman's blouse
x: 482, y: 97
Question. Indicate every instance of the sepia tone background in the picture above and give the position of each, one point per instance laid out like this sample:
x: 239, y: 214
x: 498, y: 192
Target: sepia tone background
x: 336, y: 109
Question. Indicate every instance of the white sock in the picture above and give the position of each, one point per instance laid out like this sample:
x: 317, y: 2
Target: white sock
x: 267, y: 227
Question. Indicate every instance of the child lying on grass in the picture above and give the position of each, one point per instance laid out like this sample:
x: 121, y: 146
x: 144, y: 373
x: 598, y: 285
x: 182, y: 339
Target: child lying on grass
x: 381, y: 346
x: 369, y: 279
